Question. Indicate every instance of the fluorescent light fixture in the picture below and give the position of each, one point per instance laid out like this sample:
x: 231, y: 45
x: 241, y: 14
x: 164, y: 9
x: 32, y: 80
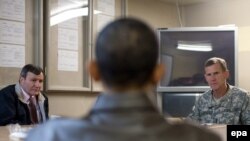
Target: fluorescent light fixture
x: 204, y: 46
x: 69, y: 14
x: 67, y: 5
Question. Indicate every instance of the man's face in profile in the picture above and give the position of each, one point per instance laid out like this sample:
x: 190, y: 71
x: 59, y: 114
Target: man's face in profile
x: 32, y: 84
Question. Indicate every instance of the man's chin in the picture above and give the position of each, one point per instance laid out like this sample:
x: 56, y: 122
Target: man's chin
x: 35, y: 94
x: 214, y: 88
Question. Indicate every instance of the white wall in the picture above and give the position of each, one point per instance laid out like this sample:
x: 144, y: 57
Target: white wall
x: 156, y: 13
x: 218, y: 12
x: 73, y: 105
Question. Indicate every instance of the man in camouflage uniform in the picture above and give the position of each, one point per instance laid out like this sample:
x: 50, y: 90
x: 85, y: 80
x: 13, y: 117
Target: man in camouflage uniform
x: 223, y: 104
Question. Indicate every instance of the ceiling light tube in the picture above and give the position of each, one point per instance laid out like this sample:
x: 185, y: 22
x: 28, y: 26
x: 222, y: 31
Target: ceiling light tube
x: 194, y: 46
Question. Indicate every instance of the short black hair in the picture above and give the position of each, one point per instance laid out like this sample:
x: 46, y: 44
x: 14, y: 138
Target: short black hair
x: 30, y: 68
x: 126, y: 52
x: 214, y: 60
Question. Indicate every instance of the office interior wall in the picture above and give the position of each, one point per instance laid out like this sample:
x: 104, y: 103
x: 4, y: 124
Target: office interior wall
x: 218, y: 12
x: 225, y: 12
x: 72, y: 105
x: 156, y: 13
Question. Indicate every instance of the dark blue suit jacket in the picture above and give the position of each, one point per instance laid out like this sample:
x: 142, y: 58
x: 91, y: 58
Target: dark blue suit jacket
x: 12, y: 110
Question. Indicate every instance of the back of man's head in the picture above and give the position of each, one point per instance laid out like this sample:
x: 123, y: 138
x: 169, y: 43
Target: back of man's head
x: 126, y: 52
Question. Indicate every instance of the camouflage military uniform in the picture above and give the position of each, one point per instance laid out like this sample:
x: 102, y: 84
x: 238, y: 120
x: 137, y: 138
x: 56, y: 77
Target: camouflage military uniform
x: 233, y: 108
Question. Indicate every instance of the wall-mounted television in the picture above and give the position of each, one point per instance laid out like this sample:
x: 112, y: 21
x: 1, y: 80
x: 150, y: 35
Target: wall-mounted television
x: 185, y: 50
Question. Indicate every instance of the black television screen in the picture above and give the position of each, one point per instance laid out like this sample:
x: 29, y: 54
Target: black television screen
x: 185, y: 50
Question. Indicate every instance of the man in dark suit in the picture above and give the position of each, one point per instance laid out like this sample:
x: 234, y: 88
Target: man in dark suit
x: 23, y: 102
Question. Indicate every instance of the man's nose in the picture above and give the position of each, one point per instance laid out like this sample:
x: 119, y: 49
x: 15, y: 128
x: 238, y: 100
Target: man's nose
x: 38, y: 84
x: 213, y: 77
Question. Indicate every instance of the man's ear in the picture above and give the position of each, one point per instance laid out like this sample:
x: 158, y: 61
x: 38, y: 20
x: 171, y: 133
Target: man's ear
x: 93, y: 70
x: 158, y: 73
x: 227, y: 74
x: 21, y: 79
